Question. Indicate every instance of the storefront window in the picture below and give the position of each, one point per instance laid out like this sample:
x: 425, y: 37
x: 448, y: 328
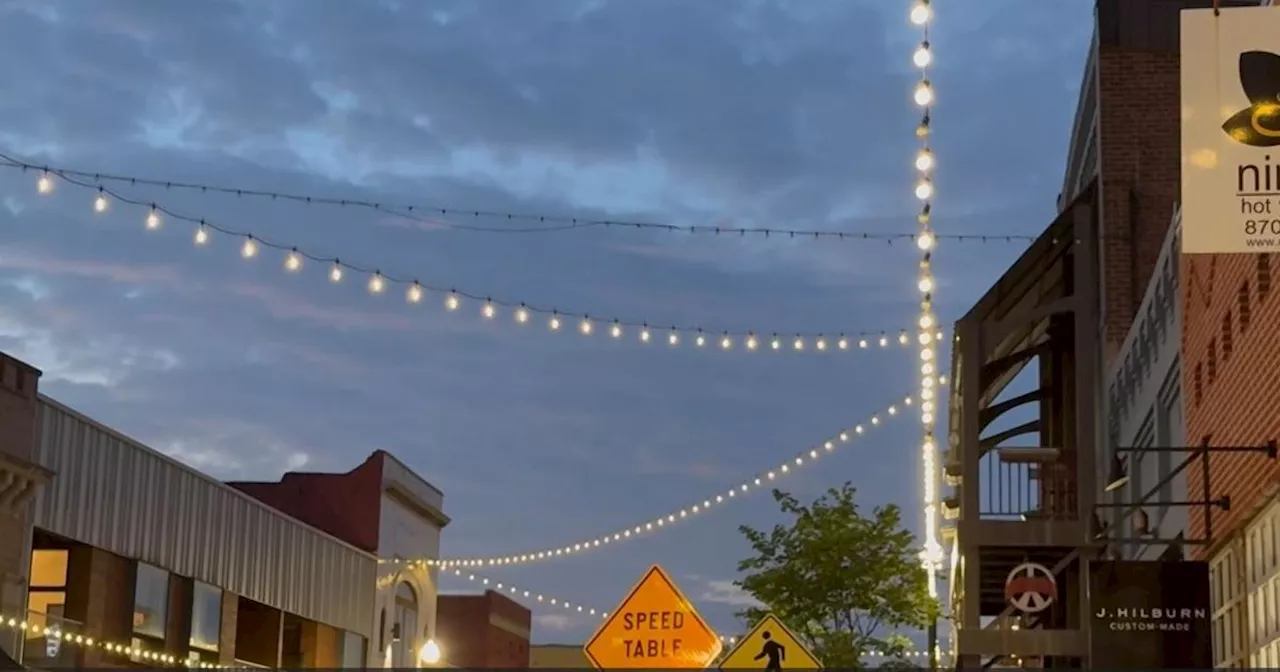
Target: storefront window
x: 353, y: 653
x: 48, y: 587
x: 206, y: 616
x: 150, y: 601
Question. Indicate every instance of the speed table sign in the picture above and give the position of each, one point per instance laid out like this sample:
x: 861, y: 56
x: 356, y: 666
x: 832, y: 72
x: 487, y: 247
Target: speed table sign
x: 655, y: 627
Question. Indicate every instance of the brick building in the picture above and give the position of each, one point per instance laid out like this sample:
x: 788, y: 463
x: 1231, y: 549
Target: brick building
x: 484, y: 631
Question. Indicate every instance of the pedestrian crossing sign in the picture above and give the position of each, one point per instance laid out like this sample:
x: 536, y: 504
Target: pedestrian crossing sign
x: 770, y: 646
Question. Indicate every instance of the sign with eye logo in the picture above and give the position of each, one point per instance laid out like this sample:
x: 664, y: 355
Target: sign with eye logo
x: 1231, y: 130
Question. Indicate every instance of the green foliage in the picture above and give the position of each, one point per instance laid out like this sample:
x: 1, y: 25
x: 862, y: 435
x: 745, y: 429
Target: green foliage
x: 836, y: 577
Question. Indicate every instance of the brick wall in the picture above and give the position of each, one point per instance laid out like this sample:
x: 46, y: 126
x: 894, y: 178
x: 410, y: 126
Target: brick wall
x: 100, y: 595
x: 1139, y: 137
x: 1231, y: 362
x: 18, y: 389
x: 484, y: 631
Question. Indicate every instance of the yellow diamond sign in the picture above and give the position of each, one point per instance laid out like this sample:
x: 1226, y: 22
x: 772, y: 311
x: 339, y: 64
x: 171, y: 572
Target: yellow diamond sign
x: 770, y: 646
x: 655, y: 628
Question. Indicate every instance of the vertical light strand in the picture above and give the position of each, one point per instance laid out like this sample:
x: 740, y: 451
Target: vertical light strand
x: 922, y: 58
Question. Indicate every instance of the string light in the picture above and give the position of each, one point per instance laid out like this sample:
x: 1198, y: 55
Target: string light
x: 432, y: 215
x: 294, y: 260
x: 153, y: 220
x: 927, y: 334
x: 546, y: 600
x: 101, y: 204
x: 31, y: 627
x: 44, y: 185
x: 760, y: 481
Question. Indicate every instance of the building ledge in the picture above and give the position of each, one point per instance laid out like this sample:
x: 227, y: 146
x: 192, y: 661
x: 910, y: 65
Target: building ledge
x: 19, y: 482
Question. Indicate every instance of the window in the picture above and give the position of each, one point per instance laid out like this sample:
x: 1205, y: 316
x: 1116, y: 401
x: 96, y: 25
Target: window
x: 206, y: 616
x: 48, y: 589
x: 150, y: 601
x: 353, y: 654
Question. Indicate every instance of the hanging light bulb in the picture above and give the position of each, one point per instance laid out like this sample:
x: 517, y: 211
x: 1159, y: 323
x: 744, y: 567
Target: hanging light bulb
x: 921, y: 13
x: 414, y: 293
x: 101, y: 204
x: 644, y: 335
x: 926, y: 321
x: 924, y: 94
x: 554, y: 322
x: 335, y: 272
x: 489, y: 310
x: 522, y: 314
x: 925, y: 284
x: 250, y: 248
x: 376, y: 283
x: 726, y: 342
x: 44, y: 185
x: 924, y: 190
x: 451, y: 302
x: 925, y: 241
x: 673, y: 338
x: 751, y: 342
x: 700, y: 340
x: 202, y: 235
x: 585, y: 326
x: 615, y: 330
x: 924, y: 161
x: 293, y: 261
x: 153, y: 220
x: 923, y: 56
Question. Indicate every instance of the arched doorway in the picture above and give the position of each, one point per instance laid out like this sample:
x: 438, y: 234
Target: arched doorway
x: 404, y: 652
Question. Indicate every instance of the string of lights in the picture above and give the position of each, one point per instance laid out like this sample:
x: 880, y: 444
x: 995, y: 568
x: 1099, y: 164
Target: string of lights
x: 760, y: 481
x: 34, y: 624
x: 379, y: 282
x: 432, y: 216
x: 541, y: 599
x: 927, y: 334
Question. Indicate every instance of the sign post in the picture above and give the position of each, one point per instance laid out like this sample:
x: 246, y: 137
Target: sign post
x: 655, y: 628
x: 1230, y: 130
x: 770, y: 646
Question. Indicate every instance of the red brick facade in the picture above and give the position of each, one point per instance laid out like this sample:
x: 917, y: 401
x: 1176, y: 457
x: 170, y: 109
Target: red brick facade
x: 1140, y: 136
x: 1230, y: 365
x: 484, y: 631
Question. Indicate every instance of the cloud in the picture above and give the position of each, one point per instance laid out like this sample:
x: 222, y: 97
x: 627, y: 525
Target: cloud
x: 723, y: 591
x: 555, y: 622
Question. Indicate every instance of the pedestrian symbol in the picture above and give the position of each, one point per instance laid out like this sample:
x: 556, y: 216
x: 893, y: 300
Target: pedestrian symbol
x: 772, y: 647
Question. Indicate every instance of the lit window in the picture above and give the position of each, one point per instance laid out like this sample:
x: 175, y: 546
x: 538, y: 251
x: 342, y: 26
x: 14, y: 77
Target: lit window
x: 206, y: 616
x: 150, y: 601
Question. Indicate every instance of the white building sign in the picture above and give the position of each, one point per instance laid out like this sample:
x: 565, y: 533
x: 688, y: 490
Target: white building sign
x: 1231, y: 130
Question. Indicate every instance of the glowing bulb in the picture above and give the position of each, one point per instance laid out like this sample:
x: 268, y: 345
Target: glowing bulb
x: 44, y: 185
x: 775, y: 344
x: 335, y: 273
x: 726, y: 343
x: 153, y: 219
x: 902, y: 338
x: 922, y: 57
x: 798, y: 344
x: 751, y: 343
x: 292, y: 261
x: 920, y: 14
x: 376, y: 283
x: 488, y: 310
x: 451, y: 302
x: 414, y: 293
x: 615, y: 330
x: 700, y: 340
x: 923, y: 94
x: 924, y: 190
x: 429, y: 653
x: 925, y: 284
x: 101, y: 204
x: 522, y: 315
x: 554, y: 323
x: 926, y: 338
x: 924, y: 161
x: 884, y: 341
x: 925, y: 241
x: 644, y: 335
x: 926, y: 321
x: 673, y: 338
x: 843, y: 343
x: 250, y: 248
x: 585, y: 326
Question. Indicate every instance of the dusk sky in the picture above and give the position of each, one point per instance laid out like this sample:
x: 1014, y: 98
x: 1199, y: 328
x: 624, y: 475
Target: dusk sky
x: 744, y: 113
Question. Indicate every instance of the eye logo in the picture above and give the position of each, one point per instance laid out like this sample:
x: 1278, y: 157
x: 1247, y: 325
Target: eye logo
x: 1259, y: 124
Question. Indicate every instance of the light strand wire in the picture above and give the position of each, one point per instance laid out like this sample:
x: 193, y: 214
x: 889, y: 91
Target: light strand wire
x: 36, y: 624
x: 415, y: 292
x: 927, y: 334
x: 762, y: 480
x: 430, y: 215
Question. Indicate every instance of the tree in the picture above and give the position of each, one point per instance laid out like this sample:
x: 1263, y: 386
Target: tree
x: 837, y: 577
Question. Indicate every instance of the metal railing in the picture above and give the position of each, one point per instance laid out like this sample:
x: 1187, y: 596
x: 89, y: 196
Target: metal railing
x: 1026, y: 491
x: 49, y: 641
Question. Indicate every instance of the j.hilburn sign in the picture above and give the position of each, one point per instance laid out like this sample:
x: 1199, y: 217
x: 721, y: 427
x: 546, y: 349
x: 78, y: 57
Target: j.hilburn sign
x: 1230, y: 130
x: 1150, y: 615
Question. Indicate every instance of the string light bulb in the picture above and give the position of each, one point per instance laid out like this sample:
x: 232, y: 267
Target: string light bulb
x: 101, y: 204
x: 615, y: 330
x: 923, y: 94
x: 293, y: 261
x: 452, y: 302
x: 554, y: 322
x: 924, y: 190
x: 922, y: 56
x: 925, y: 241
x: 202, y: 235
x: 921, y: 13
x: 414, y: 293
x: 335, y: 273
x: 924, y: 161
x: 249, y: 249
x: 376, y: 283
x: 522, y: 314
x: 44, y: 185
x: 585, y: 326
x: 153, y: 220
x: 489, y: 310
